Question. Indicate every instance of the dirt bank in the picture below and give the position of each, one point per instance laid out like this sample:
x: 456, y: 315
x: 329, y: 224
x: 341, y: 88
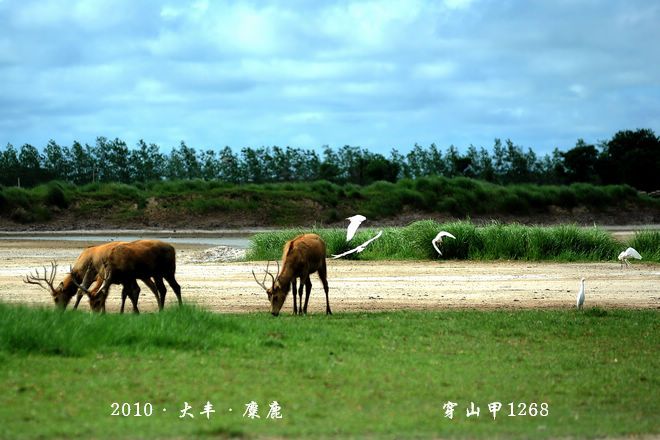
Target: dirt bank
x: 177, y: 219
x: 369, y: 286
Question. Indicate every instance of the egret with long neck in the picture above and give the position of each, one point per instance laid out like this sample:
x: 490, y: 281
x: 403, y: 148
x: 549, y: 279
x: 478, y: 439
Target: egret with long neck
x: 580, y: 295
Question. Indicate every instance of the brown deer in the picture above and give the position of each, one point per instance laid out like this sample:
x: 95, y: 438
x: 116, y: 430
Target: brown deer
x: 81, y: 276
x: 301, y: 257
x: 139, y: 259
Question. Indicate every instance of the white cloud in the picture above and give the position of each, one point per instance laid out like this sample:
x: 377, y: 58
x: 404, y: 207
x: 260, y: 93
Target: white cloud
x: 578, y: 90
x: 168, y: 12
x: 458, y: 4
x: 304, y: 117
x: 434, y: 70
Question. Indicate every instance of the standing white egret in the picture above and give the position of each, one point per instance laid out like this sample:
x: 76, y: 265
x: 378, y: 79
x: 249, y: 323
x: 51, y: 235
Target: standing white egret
x: 358, y: 249
x: 438, y: 239
x: 580, y: 295
x: 355, y: 220
x: 628, y: 253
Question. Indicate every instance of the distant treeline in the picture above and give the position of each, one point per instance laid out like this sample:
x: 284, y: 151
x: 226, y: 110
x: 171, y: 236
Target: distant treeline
x: 629, y: 157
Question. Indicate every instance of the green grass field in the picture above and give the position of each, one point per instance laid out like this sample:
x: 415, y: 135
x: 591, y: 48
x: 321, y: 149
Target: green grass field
x: 492, y: 242
x: 355, y: 375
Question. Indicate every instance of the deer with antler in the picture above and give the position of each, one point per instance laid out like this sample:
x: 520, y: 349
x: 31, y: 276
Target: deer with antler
x: 301, y: 257
x: 127, y: 262
x: 81, y: 276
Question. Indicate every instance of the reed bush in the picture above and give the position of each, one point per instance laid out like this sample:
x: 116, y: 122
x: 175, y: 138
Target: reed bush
x: 496, y: 241
x: 647, y: 243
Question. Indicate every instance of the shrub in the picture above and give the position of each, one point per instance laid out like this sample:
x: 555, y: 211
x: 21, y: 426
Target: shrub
x: 22, y: 215
x: 55, y: 196
x: 4, y: 202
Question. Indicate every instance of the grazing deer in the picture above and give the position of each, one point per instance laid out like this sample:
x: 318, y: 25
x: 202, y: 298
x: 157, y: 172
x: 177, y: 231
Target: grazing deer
x: 81, y: 276
x: 301, y: 257
x: 139, y: 259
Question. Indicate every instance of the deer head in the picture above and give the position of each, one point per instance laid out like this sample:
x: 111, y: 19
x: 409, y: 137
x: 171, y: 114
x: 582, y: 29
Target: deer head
x: 46, y: 280
x: 276, y: 292
x: 96, y: 299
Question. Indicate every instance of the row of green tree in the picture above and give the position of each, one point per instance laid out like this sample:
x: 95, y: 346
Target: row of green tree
x: 629, y: 157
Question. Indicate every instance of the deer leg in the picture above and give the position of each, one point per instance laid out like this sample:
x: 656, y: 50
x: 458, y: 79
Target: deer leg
x: 308, y: 290
x: 78, y: 298
x: 126, y: 290
x: 323, y: 275
x: 162, y: 290
x: 132, y: 291
x: 104, y: 290
x: 303, y: 280
x: 300, y: 298
x: 151, y: 285
x: 175, y: 286
x: 294, y: 288
x: 103, y: 298
x: 134, y: 295
x: 124, y: 294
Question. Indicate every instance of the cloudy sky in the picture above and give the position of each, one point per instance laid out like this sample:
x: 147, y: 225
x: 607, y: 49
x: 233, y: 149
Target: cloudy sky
x: 378, y: 74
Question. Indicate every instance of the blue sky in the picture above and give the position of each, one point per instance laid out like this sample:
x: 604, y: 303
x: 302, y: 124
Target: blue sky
x: 378, y: 74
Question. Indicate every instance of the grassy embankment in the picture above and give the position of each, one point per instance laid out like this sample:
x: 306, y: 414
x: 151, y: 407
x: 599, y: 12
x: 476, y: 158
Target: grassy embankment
x: 321, y: 202
x: 493, y: 242
x: 376, y: 375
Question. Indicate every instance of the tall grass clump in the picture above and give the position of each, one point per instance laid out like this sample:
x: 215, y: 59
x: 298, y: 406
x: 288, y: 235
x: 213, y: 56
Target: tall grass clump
x: 500, y: 241
x: 647, y: 243
x: 18, y: 197
x: 491, y: 242
x: 113, y: 191
x: 268, y: 245
x: 54, y: 194
x: 22, y: 205
x: 569, y: 243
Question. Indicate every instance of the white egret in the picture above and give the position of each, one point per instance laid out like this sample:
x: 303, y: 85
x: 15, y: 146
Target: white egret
x: 355, y: 220
x: 628, y: 253
x: 358, y: 249
x: 438, y: 239
x: 580, y: 295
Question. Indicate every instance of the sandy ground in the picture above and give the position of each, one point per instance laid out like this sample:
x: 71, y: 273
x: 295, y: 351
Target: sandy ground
x: 361, y: 286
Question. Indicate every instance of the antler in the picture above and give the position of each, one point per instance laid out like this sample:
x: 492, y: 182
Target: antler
x: 73, y: 279
x: 263, y: 282
x: 38, y: 279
